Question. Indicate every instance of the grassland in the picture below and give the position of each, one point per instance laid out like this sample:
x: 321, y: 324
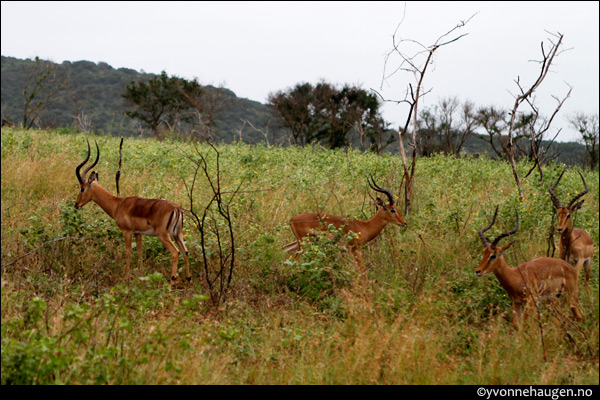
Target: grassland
x: 68, y: 316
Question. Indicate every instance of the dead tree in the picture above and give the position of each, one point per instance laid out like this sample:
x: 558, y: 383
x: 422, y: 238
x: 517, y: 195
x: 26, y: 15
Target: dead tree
x: 82, y: 122
x: 44, y: 86
x: 416, y: 64
x: 215, y: 225
x: 446, y: 126
x: 536, y: 131
x: 264, y: 132
x: 526, y: 96
x: 208, y: 106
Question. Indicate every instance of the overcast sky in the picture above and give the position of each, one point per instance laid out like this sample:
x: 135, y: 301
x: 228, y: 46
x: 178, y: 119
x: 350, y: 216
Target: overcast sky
x: 255, y: 48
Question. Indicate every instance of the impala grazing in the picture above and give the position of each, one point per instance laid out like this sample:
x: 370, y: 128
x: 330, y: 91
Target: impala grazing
x: 576, y: 245
x: 136, y: 216
x: 538, y: 279
x: 306, y: 225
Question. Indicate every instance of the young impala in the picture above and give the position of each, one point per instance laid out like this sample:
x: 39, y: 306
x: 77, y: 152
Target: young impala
x: 305, y: 225
x: 136, y: 216
x: 539, y: 279
x: 576, y: 245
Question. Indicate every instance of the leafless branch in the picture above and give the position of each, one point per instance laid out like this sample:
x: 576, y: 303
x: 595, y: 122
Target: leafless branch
x: 415, y: 63
x: 525, y: 96
x: 218, y: 278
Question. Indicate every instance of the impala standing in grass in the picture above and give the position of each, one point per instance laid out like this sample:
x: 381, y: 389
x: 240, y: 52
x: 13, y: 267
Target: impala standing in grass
x: 136, y: 216
x: 576, y: 245
x: 539, y: 279
x: 306, y: 225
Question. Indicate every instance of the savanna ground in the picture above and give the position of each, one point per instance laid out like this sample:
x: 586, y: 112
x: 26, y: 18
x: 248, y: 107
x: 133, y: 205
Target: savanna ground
x: 69, y: 317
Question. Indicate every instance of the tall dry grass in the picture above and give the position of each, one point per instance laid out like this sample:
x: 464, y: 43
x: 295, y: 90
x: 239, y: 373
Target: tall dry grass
x: 422, y: 318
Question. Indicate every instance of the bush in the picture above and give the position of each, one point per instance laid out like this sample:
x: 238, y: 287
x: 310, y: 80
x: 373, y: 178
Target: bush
x: 320, y: 271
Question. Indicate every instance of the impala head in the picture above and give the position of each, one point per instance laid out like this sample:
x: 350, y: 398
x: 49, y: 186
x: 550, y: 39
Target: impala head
x: 85, y: 192
x: 565, y: 213
x: 391, y: 213
x: 492, y: 252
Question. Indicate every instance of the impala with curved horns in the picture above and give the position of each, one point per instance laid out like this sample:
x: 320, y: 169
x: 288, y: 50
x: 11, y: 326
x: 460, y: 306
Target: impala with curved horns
x: 136, y: 216
x: 539, y: 279
x: 306, y: 225
x: 576, y: 245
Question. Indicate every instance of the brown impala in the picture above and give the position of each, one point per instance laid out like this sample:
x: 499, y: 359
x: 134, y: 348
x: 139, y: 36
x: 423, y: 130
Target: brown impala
x: 576, y: 245
x: 136, y: 216
x: 539, y: 279
x: 305, y: 225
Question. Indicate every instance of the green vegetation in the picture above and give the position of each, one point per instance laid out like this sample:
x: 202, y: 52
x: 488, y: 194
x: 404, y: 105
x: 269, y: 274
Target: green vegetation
x: 328, y: 114
x: 161, y: 98
x: 68, y: 317
x: 94, y: 92
x: 89, y: 97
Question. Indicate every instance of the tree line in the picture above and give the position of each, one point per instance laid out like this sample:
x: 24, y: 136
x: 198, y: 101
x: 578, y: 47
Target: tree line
x: 325, y: 113
x: 331, y: 115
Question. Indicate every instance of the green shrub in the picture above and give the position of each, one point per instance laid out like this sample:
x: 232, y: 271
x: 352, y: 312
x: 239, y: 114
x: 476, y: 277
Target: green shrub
x: 321, y: 270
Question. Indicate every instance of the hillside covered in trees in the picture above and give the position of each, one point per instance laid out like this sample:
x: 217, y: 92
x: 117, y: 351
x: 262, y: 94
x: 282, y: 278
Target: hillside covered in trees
x: 89, y: 96
x: 94, y: 92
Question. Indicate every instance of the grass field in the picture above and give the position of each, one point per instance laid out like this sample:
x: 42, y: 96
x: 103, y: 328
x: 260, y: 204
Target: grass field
x: 69, y: 317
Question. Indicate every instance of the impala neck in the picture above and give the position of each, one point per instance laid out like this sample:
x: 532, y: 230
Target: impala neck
x: 505, y: 274
x: 372, y: 228
x: 104, y: 199
x: 565, y: 241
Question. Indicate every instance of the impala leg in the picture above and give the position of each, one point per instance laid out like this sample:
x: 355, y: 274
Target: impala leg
x: 362, y: 270
x: 127, y: 235
x: 166, y: 241
x: 297, y: 253
x: 579, y: 266
x: 138, y: 247
x: 517, y: 314
x: 573, y: 304
x: 183, y: 249
x: 587, y: 266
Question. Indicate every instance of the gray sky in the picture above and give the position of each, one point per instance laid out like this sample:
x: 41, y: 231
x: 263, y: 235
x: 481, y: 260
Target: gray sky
x: 255, y: 48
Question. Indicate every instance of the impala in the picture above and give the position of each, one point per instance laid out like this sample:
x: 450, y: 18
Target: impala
x: 136, y: 216
x: 539, y: 279
x: 576, y: 245
x: 306, y: 225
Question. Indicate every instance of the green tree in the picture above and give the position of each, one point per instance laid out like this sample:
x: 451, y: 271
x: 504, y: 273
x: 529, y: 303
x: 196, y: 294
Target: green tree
x: 587, y: 126
x: 162, y: 100
x: 296, y: 112
x: 328, y: 114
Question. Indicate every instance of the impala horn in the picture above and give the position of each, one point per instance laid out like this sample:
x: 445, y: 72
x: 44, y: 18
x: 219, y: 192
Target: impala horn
x: 486, y: 242
x: 578, y: 196
x: 376, y: 188
x: 555, y: 199
x: 506, y: 234
x: 79, y: 177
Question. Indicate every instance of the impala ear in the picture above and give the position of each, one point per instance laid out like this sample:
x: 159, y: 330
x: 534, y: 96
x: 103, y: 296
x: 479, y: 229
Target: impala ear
x: 93, y: 177
x: 380, y: 203
x: 577, y: 206
x: 504, y: 248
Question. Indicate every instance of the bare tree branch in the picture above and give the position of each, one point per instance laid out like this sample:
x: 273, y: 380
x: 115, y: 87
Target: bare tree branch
x: 414, y: 64
x: 525, y: 96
